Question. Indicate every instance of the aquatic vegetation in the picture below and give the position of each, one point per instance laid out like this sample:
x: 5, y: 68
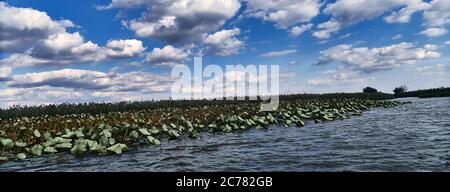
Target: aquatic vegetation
x: 116, y: 132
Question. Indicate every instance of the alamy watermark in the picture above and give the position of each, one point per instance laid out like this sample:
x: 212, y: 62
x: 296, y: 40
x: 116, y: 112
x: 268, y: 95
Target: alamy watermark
x: 236, y: 82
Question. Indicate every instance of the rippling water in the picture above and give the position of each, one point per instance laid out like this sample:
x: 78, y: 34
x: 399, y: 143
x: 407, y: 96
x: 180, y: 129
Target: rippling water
x: 406, y: 138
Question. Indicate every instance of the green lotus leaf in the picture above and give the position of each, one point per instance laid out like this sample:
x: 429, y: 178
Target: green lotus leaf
x: 134, y: 134
x: 165, y: 128
x: 7, y: 143
x: 47, y: 136
x: 189, y: 124
x: 104, y: 140
x: 173, y: 134
x: 226, y: 128
x: 36, y: 133
x: 153, y: 141
x: 101, y: 126
x: 144, y: 131
x: 173, y: 125
x: 97, y: 148
x: 91, y: 143
x: 20, y: 144
x: 21, y: 156
x: 327, y: 118
x: 78, y: 149
x: 111, y: 141
x: 69, y: 134
x: 48, y: 143
x: 37, y: 150
x: 50, y: 150
x: 62, y: 140
x: 304, y: 116
x: 3, y: 158
x: 81, y: 140
x: 64, y: 146
x: 154, y: 131
x: 79, y: 134
x: 106, y: 133
x: 94, y: 136
x: 117, y: 148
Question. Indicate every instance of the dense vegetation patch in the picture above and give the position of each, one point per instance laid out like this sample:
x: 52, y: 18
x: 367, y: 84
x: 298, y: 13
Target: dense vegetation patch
x: 99, y: 108
x: 115, y: 132
x: 426, y: 93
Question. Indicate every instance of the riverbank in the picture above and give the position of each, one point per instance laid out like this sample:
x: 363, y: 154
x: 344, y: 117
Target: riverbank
x: 115, y: 132
x: 426, y: 93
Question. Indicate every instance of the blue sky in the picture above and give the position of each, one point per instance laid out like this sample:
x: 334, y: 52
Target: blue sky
x: 78, y: 51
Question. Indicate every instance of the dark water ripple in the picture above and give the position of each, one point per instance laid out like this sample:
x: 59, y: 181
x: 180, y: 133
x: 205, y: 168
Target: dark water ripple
x: 406, y: 138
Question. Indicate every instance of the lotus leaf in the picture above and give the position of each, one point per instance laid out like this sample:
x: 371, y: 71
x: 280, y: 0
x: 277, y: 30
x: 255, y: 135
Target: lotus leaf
x: 153, y: 141
x: 78, y: 149
x: 104, y: 140
x: 174, y: 134
x: 7, y: 143
x: 36, y: 133
x: 79, y: 134
x: 165, y: 128
x: 111, y: 141
x: 97, y: 148
x: 50, y: 150
x: 69, y: 134
x: 64, y: 146
x: 62, y: 140
x: 154, y: 131
x: 48, y: 143
x: 20, y: 144
x: 117, y: 148
x: 144, y: 131
x: 37, y: 150
x: 47, y: 136
x: 106, y: 133
x: 134, y: 134
x: 21, y: 156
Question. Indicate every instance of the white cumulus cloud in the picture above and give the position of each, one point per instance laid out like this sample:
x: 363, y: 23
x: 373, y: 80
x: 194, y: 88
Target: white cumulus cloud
x: 284, y: 13
x: 434, y: 32
x: 167, y: 56
x: 223, y: 42
x: 369, y: 60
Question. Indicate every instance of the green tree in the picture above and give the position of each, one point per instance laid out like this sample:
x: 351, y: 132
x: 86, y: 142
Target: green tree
x: 400, y: 90
x: 370, y: 90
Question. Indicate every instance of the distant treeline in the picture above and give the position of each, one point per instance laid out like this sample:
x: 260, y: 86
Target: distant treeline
x: 437, y: 92
x: 97, y: 108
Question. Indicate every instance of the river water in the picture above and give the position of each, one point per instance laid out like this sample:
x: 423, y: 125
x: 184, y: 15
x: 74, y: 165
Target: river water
x: 413, y: 137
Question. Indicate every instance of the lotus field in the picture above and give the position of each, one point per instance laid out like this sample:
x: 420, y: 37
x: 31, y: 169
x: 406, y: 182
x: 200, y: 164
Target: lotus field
x: 115, y: 132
